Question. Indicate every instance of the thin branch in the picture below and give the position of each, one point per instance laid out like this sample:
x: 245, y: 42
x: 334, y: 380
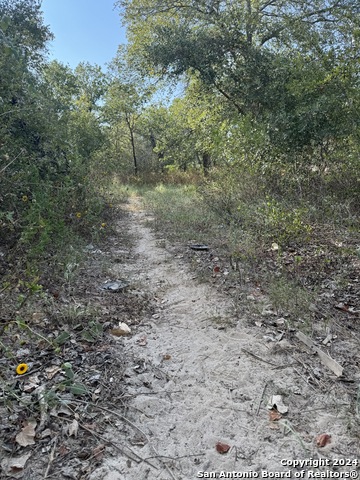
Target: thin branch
x: 12, y: 161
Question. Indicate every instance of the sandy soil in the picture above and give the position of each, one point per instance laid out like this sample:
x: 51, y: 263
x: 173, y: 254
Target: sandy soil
x: 199, y: 375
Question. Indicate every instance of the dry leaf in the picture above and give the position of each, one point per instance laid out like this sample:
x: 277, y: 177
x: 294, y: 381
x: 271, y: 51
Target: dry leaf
x: 98, y: 452
x: 63, y: 450
x: 121, y: 330
x: 166, y: 357
x: 73, y: 429
x: 52, y: 371
x: 323, y: 440
x: 27, y: 435
x: 32, y: 383
x: 276, y: 402
x: 274, y: 415
x: 222, y: 447
x: 14, y: 467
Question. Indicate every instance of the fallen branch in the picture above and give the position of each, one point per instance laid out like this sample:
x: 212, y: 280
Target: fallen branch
x: 326, y: 359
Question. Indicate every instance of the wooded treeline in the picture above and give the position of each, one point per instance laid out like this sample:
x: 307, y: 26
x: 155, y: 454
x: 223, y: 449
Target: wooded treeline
x: 269, y: 103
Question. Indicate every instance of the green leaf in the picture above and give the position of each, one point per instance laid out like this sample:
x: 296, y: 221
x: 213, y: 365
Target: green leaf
x: 68, y: 370
x: 78, y: 389
x: 62, y: 338
x: 87, y: 336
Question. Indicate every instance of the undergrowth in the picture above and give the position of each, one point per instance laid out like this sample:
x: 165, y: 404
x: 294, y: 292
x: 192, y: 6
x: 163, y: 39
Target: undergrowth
x: 263, y: 226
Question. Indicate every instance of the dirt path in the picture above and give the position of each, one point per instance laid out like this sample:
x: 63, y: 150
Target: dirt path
x: 198, y: 376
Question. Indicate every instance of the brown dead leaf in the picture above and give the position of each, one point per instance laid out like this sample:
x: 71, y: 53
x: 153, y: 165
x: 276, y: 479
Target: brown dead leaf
x: 274, y: 415
x: 73, y: 428
x: 122, y: 330
x: 342, y: 306
x: 14, y: 467
x: 323, y: 440
x: 166, y: 357
x: 52, y: 371
x: 222, y: 447
x: 98, y: 452
x: 142, y: 341
x: 27, y: 435
x: 63, y: 450
x: 90, y: 426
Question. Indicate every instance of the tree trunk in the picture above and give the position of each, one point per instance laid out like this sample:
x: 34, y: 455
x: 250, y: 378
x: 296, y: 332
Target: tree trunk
x: 131, y: 130
x: 206, y: 162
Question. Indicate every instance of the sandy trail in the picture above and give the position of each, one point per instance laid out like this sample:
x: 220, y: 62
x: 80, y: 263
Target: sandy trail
x: 195, y: 385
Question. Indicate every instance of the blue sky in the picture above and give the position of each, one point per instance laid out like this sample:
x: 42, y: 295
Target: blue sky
x: 85, y: 30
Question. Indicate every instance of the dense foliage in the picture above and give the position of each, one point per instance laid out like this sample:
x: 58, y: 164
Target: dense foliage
x: 49, y: 133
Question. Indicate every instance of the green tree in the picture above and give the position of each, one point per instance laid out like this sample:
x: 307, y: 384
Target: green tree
x: 126, y: 98
x: 250, y: 51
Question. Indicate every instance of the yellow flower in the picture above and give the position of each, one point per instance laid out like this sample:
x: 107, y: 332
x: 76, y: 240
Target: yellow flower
x: 103, y: 225
x: 24, y: 198
x: 22, y: 368
x: 78, y: 215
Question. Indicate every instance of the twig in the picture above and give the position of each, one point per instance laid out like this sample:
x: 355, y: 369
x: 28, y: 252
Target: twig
x: 51, y: 459
x: 109, y: 442
x: 12, y: 161
x: 100, y: 437
x: 177, y: 458
x: 149, y: 393
x: 259, y: 358
x: 261, y: 399
x: 306, y: 381
x: 129, y: 422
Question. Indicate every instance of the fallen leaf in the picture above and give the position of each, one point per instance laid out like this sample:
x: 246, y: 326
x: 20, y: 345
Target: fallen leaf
x: 121, y: 330
x: 222, y: 447
x: 323, y: 440
x: 274, y: 415
x: 90, y: 426
x: 14, y: 467
x: 27, y: 435
x: 166, y: 357
x: 52, y: 371
x: 31, y: 384
x: 73, y: 429
x: 142, y: 341
x: 63, y: 410
x: 98, y: 452
x: 46, y: 433
x: 276, y: 402
x: 63, y: 450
